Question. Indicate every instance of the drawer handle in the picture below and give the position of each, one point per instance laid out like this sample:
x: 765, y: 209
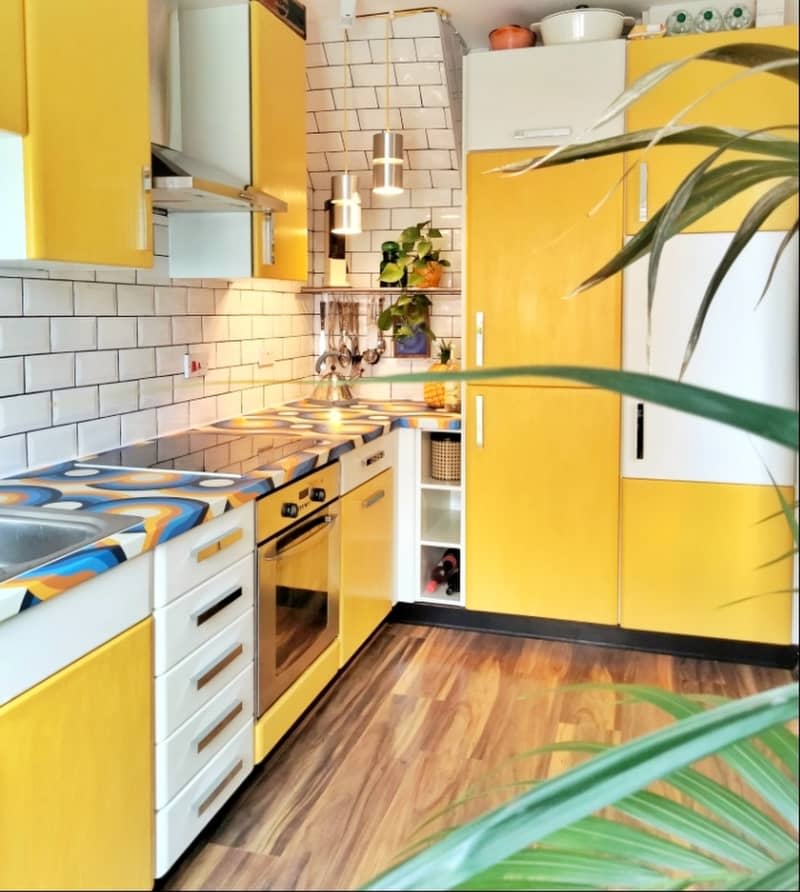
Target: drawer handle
x: 204, y: 614
x: 373, y: 499
x: 640, y: 432
x: 207, y: 801
x: 372, y: 459
x: 643, y: 209
x: 540, y: 132
x: 221, y: 724
x: 479, y: 319
x: 203, y: 552
x: 212, y: 672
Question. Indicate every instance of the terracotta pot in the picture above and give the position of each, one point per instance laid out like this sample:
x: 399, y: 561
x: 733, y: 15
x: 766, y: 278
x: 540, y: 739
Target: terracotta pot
x: 511, y: 37
x: 432, y: 275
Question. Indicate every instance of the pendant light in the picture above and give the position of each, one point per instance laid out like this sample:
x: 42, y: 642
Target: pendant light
x: 344, y: 186
x: 387, y: 146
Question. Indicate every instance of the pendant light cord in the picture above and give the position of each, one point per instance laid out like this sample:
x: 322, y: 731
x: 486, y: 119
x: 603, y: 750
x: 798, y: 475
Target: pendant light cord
x: 388, y: 34
x: 345, y: 122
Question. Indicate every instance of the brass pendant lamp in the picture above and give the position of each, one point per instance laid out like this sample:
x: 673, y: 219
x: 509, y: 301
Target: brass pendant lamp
x: 344, y: 186
x: 387, y: 146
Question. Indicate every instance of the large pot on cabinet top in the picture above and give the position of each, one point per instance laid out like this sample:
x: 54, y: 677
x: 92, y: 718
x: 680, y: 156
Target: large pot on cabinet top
x: 581, y: 25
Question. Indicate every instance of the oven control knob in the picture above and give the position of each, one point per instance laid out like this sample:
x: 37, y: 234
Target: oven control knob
x: 289, y: 509
x: 317, y: 494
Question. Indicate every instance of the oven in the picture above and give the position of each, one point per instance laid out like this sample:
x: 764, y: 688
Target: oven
x: 298, y: 579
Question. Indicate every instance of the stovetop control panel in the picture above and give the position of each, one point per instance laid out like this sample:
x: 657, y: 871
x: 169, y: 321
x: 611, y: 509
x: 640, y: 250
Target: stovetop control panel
x: 278, y: 510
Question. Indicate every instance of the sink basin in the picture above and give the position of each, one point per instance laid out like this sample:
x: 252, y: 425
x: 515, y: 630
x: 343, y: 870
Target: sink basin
x: 30, y: 537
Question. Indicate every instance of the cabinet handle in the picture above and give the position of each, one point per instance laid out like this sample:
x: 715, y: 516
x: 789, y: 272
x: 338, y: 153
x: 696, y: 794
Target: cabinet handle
x: 479, y: 338
x: 217, y: 727
x: 145, y: 223
x: 372, y: 459
x: 541, y: 132
x: 639, y: 431
x: 479, y: 422
x: 214, y: 670
x: 643, y: 214
x: 373, y: 499
x: 205, y: 803
x: 203, y: 552
x: 268, y: 241
x: 204, y: 614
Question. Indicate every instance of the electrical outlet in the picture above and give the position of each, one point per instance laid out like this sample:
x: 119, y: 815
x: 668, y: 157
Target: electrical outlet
x: 195, y: 365
x: 266, y: 359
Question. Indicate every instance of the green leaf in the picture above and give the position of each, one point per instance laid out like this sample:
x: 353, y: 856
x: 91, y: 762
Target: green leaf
x: 445, y: 262
x: 765, y: 144
x: 392, y: 272
x: 408, y: 247
x: 751, y: 223
x: 778, y: 254
x: 424, y: 248
x: 715, y: 188
x: 583, y: 790
x: 786, y: 508
x: 414, y: 279
x: 782, y: 591
x: 421, y: 226
x: 404, y: 259
x: 411, y: 234
x: 434, y: 233
x: 385, y: 320
x: 771, y: 422
x: 782, y: 876
x: 788, y: 555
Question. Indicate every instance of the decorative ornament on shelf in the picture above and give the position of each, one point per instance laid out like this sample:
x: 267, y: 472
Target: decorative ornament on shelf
x: 418, y: 257
x: 443, y: 394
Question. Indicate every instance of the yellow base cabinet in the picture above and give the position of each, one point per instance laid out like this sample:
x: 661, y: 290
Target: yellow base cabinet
x: 529, y: 244
x: 367, y: 570
x: 690, y: 548
x: 13, y: 110
x: 278, y: 98
x: 542, y: 502
x: 76, y: 773
x: 762, y: 100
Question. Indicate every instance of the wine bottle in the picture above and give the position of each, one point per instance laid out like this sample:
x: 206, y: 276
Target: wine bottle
x: 454, y: 582
x: 447, y: 564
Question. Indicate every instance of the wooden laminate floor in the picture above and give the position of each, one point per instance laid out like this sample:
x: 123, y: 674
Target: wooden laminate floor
x: 420, y: 718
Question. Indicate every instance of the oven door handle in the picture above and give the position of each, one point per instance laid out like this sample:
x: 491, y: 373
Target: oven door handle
x: 301, y: 536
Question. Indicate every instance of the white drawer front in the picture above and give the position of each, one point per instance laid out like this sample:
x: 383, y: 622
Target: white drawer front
x: 183, y: 819
x: 197, y: 616
x: 195, y: 556
x: 182, y: 691
x: 196, y: 742
x: 366, y: 462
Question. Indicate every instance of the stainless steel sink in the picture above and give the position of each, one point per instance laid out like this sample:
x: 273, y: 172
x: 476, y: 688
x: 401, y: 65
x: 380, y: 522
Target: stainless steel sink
x: 31, y: 537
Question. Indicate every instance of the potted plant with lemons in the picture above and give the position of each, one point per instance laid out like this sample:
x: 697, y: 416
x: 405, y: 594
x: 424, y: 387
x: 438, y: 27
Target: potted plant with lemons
x: 418, y: 256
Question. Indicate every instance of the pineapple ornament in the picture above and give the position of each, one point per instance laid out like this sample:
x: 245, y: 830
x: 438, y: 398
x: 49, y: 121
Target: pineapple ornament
x: 443, y: 394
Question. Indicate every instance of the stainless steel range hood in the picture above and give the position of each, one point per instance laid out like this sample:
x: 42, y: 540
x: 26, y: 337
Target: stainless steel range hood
x: 184, y: 184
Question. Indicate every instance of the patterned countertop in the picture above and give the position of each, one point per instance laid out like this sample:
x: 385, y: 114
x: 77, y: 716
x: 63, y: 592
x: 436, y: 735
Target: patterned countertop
x: 170, y: 501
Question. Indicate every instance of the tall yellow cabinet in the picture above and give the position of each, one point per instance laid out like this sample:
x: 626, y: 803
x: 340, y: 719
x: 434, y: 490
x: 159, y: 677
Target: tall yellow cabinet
x: 542, y: 456
x: 76, y: 183
x: 13, y: 108
x: 76, y: 775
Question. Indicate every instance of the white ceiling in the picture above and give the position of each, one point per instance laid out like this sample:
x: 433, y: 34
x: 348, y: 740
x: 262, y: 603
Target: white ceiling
x: 474, y: 19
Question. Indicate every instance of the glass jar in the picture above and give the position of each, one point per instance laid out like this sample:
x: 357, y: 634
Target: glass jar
x: 708, y: 19
x: 738, y: 17
x: 680, y: 22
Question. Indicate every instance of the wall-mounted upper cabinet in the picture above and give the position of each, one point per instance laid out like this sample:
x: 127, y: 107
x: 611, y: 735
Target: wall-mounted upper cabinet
x: 75, y: 184
x: 762, y: 100
x: 542, y: 96
x: 230, y: 94
x: 13, y: 108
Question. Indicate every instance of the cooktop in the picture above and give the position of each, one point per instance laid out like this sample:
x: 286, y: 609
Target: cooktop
x: 207, y: 452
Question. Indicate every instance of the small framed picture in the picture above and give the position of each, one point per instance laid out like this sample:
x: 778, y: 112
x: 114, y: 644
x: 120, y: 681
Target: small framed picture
x: 413, y: 347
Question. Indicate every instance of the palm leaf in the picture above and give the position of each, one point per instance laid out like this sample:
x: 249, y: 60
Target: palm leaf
x: 602, y: 781
x: 782, y: 876
x: 751, y: 223
x: 771, y: 422
x: 778, y: 254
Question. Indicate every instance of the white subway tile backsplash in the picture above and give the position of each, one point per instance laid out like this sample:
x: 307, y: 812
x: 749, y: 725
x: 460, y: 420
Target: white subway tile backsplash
x: 116, y: 331
x: 200, y: 301
x: 431, y: 197
x: 447, y: 218
x: 315, y: 56
x: 375, y: 119
x: 12, y: 378
x: 158, y: 274
x: 154, y: 331
x: 73, y: 333
x: 324, y: 142
x: 184, y: 389
x: 422, y: 117
x: 95, y: 299
x: 96, y: 367
x: 431, y: 159
x: 44, y: 297
x: 49, y: 371
x: 203, y: 411
x: 21, y: 337
x: 13, y: 455
x: 116, y: 274
x: 170, y: 301
x: 169, y: 360
x: 10, y: 297
x: 418, y: 73
x: 446, y: 179
x: 319, y: 100
x: 51, y: 445
x: 76, y: 404
x: 135, y: 300
x: 137, y: 364
x: 435, y: 96
x: 187, y: 330
x: 357, y: 97
x: 229, y: 404
x: 400, y: 50
x: 171, y: 419
x: 155, y: 392
x: 334, y: 121
x: 98, y: 436
x: 323, y: 78
x: 357, y: 52
x: 425, y: 24
x: 139, y: 426
x: 24, y: 413
x: 401, y: 97
x: 118, y: 398
x: 354, y: 161
x: 372, y: 75
x: 429, y: 49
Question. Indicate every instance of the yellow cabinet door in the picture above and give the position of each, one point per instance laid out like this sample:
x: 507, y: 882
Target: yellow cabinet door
x: 88, y: 142
x: 542, y: 501
x: 762, y: 100
x: 76, y: 773
x: 367, y: 517
x: 529, y: 243
x: 688, y: 549
x: 13, y: 110
x: 278, y: 97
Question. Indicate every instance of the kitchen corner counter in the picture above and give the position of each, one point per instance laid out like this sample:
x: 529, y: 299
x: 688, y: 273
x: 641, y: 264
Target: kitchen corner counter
x: 171, y: 501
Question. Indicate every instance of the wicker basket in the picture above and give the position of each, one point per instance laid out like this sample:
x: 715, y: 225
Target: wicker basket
x: 445, y: 457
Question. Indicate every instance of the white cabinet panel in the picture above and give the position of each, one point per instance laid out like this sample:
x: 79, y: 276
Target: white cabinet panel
x: 748, y: 352
x: 542, y: 96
